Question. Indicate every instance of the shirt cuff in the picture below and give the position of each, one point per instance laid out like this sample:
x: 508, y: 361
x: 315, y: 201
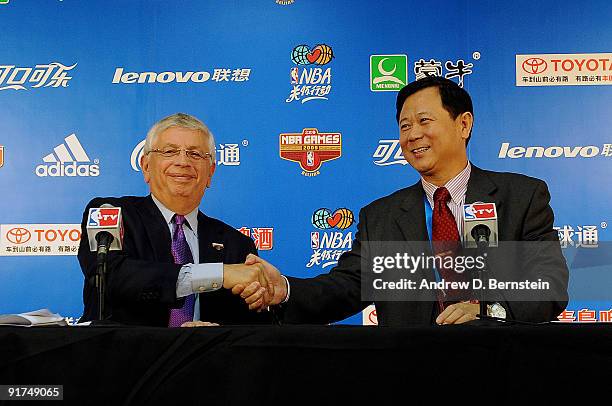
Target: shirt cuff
x: 288, y: 289
x: 199, y: 278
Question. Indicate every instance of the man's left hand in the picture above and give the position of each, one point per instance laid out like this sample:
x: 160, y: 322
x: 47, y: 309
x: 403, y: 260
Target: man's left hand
x: 458, y: 313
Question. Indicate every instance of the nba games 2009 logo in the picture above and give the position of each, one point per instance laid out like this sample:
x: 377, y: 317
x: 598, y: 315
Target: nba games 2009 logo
x: 310, y: 149
x: 310, y: 83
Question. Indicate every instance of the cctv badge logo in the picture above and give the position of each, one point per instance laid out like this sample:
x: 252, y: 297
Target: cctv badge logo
x: 104, y: 217
x: 479, y: 211
x: 68, y: 159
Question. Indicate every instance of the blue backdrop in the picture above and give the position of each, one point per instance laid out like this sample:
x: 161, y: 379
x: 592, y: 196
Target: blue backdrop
x: 74, y: 67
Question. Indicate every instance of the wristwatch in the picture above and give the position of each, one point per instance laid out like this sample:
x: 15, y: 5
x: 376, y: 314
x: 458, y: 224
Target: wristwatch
x: 496, y: 310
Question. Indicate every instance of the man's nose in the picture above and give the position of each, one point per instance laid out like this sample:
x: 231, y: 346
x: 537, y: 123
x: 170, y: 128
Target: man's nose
x: 413, y: 135
x: 182, y: 158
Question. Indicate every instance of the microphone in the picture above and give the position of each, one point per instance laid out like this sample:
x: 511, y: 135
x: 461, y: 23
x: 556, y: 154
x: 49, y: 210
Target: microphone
x: 480, y: 225
x: 105, y: 229
x: 481, y: 234
x: 105, y: 233
x: 480, y: 231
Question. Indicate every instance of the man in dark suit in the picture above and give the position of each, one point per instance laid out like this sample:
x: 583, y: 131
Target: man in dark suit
x: 435, y: 117
x: 173, y: 267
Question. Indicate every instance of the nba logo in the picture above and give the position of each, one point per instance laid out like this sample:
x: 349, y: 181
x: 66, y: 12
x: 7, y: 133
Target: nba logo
x: 468, y: 212
x: 94, y: 217
x: 314, y: 240
x: 310, y: 158
x: 1, y: 156
x: 294, y: 76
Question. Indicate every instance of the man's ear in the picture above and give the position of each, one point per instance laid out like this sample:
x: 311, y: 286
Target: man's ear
x: 144, y: 164
x: 465, y: 121
x: 213, y: 167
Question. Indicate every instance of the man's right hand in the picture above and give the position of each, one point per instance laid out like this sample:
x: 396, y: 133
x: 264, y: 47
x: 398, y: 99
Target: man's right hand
x: 252, y: 293
x: 246, y: 274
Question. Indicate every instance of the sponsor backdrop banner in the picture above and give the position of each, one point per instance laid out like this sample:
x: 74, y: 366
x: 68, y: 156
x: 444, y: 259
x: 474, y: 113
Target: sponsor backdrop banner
x: 300, y: 97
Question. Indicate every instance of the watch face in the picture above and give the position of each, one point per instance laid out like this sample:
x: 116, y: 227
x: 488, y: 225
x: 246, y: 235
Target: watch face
x: 497, y: 310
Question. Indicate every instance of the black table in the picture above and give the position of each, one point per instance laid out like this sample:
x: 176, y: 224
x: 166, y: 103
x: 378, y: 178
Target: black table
x: 252, y: 365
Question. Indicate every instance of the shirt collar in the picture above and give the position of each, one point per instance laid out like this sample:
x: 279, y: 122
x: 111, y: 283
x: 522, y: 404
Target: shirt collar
x: 457, y: 186
x: 192, y: 218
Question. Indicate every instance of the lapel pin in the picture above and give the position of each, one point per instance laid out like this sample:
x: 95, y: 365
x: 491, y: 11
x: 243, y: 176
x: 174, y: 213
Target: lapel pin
x: 217, y: 246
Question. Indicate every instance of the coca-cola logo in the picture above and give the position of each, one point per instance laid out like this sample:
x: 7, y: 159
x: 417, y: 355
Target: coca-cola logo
x: 534, y: 66
x: 18, y: 235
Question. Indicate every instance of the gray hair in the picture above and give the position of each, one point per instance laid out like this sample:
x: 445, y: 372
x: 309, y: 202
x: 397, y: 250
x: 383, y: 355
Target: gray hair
x: 181, y: 120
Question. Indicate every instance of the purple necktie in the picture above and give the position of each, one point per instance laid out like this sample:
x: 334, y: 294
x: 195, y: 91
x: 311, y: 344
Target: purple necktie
x: 182, y: 255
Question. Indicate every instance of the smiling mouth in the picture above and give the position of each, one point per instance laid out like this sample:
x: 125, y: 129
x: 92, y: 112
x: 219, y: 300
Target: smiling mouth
x: 181, y: 177
x: 419, y: 150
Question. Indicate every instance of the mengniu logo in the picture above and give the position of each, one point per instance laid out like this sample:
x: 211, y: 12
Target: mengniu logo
x: 18, y: 235
x: 534, y: 66
x: 1, y: 155
x: 4, y: 1
x: 388, y: 72
x: 310, y: 149
x: 310, y: 83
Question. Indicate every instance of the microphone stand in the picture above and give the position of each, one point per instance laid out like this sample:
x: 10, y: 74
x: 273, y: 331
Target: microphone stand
x: 104, y: 240
x: 100, y: 284
x: 483, y: 246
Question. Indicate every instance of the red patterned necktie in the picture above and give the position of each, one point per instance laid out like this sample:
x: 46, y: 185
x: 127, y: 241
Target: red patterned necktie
x: 182, y: 255
x: 446, y: 243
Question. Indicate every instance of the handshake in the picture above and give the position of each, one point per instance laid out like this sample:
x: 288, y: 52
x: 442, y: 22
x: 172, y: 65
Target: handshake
x: 258, y: 282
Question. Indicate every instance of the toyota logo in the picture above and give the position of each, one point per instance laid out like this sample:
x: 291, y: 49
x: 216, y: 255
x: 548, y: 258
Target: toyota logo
x: 18, y: 235
x: 534, y: 65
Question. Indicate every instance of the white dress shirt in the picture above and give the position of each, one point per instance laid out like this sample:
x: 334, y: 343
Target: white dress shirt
x: 457, y: 187
x: 196, y: 277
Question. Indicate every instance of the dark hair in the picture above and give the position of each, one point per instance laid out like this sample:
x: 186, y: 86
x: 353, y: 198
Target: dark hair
x: 455, y: 99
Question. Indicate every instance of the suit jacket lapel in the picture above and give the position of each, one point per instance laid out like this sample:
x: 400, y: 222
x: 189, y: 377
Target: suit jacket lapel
x: 412, y: 220
x: 482, y: 189
x: 156, y: 229
x: 208, y: 234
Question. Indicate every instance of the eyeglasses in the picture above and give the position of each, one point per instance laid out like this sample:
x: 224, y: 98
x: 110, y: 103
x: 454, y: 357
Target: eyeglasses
x: 191, y: 154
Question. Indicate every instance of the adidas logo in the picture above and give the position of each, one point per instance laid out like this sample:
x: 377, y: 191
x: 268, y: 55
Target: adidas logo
x: 62, y: 163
